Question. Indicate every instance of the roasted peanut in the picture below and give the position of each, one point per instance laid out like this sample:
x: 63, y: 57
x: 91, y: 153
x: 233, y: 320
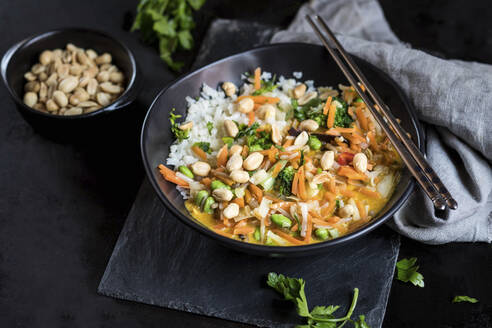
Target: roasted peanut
x: 307, y: 97
x: 222, y: 194
x: 68, y: 84
x: 299, y: 91
x: 231, y: 128
x: 200, y: 168
x: 360, y: 162
x: 301, y: 139
x: 327, y: 160
x: 234, y: 163
x: 239, y: 176
x: 245, y: 105
x: 235, y: 149
x: 309, y: 125
x: 231, y: 211
x: 253, y: 161
x: 229, y: 88
x: 60, y: 98
x: 30, y: 98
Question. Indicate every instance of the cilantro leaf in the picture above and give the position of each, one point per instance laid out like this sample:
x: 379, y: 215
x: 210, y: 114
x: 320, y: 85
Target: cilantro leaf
x: 210, y: 126
x: 205, y: 146
x: 361, y: 323
x: 342, y: 117
x: 180, y: 134
x: 266, y: 86
x: 228, y: 141
x: 463, y: 298
x: 292, y: 289
x: 168, y: 24
x: 407, y: 272
x: 244, y: 130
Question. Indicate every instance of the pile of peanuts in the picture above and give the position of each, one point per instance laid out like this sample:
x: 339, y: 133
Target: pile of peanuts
x: 73, y: 81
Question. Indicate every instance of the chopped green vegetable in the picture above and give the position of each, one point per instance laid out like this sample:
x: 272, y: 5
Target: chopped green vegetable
x: 281, y: 220
x: 266, y: 86
x: 319, y: 170
x: 314, y: 143
x: 200, y: 197
x: 321, y: 233
x: 283, y: 182
x: 292, y: 289
x: 180, y: 134
x: 186, y: 171
x: 216, y: 184
x: 210, y: 126
x: 279, y: 147
x: 337, y: 204
x: 312, y: 110
x: 207, y: 207
x: 407, y: 271
x: 463, y: 298
x: 228, y: 141
x: 358, y: 100
x: 256, y: 234
x: 205, y: 146
x: 167, y: 23
x: 259, y: 141
x: 342, y: 117
x: 245, y: 130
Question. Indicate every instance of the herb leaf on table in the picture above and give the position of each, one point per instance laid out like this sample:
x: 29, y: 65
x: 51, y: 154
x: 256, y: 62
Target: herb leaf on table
x: 407, y: 272
x: 167, y: 23
x: 292, y: 289
x: 464, y: 298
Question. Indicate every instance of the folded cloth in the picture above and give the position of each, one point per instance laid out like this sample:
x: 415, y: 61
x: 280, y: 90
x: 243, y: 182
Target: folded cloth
x: 452, y: 97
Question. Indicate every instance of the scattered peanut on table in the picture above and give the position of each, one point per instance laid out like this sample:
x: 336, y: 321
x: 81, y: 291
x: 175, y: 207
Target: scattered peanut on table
x: 73, y: 81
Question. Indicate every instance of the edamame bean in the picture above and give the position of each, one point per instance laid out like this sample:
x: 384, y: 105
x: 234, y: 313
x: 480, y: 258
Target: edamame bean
x: 256, y: 234
x: 216, y: 184
x: 200, y: 197
x: 314, y: 143
x: 281, y: 220
x: 186, y: 171
x: 321, y: 233
x: 207, y: 207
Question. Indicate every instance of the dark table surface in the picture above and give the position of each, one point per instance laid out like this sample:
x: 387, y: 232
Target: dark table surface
x: 62, y: 205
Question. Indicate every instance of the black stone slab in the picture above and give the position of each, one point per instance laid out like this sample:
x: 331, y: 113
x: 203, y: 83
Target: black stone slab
x: 159, y: 261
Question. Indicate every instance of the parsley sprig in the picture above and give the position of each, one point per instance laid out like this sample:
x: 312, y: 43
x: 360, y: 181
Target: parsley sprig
x: 407, y: 272
x: 292, y: 289
x: 167, y: 23
x: 180, y: 134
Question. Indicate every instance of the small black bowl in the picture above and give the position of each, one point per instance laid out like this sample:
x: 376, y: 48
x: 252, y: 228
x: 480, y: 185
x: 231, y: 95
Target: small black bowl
x: 281, y: 59
x: 22, y: 56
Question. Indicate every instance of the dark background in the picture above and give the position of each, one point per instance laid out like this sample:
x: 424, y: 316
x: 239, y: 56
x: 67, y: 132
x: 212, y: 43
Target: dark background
x: 62, y: 205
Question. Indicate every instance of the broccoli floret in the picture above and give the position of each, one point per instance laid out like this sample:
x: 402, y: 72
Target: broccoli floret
x: 283, y: 182
x: 342, y: 117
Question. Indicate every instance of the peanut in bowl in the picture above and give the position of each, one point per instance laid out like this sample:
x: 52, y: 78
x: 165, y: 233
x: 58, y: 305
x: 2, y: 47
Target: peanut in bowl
x: 71, y: 58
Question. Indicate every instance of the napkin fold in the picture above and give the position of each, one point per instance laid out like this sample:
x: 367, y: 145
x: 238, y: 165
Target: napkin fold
x: 453, y: 98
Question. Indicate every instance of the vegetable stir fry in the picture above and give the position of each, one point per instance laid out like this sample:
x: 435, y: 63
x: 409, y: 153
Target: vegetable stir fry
x: 289, y: 164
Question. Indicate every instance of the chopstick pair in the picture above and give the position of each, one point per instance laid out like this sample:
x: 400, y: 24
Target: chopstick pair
x: 408, y: 151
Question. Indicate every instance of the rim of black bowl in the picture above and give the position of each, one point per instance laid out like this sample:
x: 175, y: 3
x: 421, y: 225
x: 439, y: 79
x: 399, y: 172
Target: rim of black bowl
x: 118, y: 103
x: 257, y: 248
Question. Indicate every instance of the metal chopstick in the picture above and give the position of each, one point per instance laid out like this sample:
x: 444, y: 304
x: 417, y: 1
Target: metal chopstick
x: 407, y: 158
x: 411, y: 147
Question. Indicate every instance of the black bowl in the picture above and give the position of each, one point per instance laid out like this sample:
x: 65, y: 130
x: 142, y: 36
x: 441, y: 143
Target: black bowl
x: 20, y: 57
x: 281, y: 59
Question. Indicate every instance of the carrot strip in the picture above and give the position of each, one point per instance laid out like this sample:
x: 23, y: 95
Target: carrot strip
x: 239, y: 201
x: 170, y: 176
x: 256, y: 191
x: 206, y: 182
x: 295, y: 184
x: 261, y: 100
x: 257, y: 78
x: 333, y: 187
x: 309, y: 229
x: 288, y: 143
x: 243, y: 230
x: 199, y: 152
x: 276, y: 170
x: 361, y: 117
x: 350, y: 173
x: 271, y: 154
x: 331, y: 115
x: 287, y: 237
x: 302, y: 184
x: 273, y: 199
x: 294, y: 227
x: 344, y: 130
x: 319, y: 221
x: 347, y: 193
x: 327, y: 105
x: 372, y: 140
x: 361, y: 208
x: 370, y: 193
x: 251, y: 118
x: 222, y: 156
x: 245, y: 151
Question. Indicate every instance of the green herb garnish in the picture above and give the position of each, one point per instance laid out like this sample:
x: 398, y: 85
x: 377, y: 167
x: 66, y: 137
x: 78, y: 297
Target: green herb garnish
x: 361, y: 323
x: 180, y: 134
x: 463, y: 298
x: 205, y: 146
x: 259, y: 141
x: 292, y: 289
x: 167, y: 23
x: 407, y: 271
x: 210, y: 126
x: 283, y: 182
x: 301, y: 161
x: 266, y: 86
x: 342, y: 117
x: 228, y: 141
x: 245, y: 130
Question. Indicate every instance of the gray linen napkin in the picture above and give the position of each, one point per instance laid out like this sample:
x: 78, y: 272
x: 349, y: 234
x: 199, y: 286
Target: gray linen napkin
x: 453, y: 97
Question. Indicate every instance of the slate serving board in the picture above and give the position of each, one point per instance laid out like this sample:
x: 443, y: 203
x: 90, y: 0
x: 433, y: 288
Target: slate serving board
x: 159, y: 261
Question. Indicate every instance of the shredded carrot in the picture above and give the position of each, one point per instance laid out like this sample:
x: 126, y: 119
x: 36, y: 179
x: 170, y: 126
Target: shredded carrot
x: 295, y: 183
x: 294, y: 163
x: 344, y: 130
x: 350, y: 173
x: 199, y: 152
x: 302, y: 184
x: 283, y: 205
x: 370, y: 193
x: 206, y: 182
x: 257, y: 78
x: 276, y: 169
x: 222, y: 156
x: 327, y: 105
x: 224, y: 179
x: 333, y: 219
x: 331, y: 115
x: 245, y: 151
x: 256, y: 106
x: 272, y: 154
x: 170, y: 176
x: 243, y: 230
x: 309, y: 229
x: 347, y: 193
x: 319, y: 221
x: 333, y: 187
x: 251, y: 118
x: 361, y: 208
x: 372, y: 140
x: 288, y: 143
x: 247, y: 196
x: 260, y: 100
x: 273, y: 199
x: 256, y: 191
x: 361, y: 118
x: 294, y: 227
x: 239, y: 201
x: 287, y: 237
